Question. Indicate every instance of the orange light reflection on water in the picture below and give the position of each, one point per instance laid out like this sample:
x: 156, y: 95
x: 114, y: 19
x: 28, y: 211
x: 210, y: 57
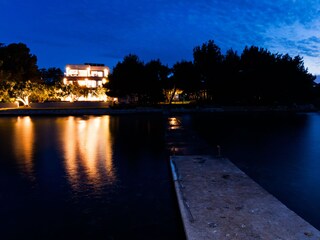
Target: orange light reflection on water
x: 174, y: 123
x: 23, y: 142
x: 88, y: 149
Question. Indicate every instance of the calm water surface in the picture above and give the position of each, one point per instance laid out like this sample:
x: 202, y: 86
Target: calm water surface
x: 92, y: 177
x: 107, y: 177
x: 279, y: 151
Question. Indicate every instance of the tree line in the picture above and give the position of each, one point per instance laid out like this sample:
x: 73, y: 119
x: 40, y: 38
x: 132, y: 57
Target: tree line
x: 254, y: 77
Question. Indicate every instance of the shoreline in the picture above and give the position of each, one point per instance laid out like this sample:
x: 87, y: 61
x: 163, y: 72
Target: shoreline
x: 138, y: 110
x: 71, y: 111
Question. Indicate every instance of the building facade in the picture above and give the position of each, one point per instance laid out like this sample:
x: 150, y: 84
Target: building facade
x: 88, y: 75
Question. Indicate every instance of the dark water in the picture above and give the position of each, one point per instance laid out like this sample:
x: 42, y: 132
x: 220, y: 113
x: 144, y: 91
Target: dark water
x: 104, y: 177
x: 108, y: 177
x: 279, y: 151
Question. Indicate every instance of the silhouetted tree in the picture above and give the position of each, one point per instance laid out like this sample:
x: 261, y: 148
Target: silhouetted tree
x: 230, y: 78
x: 296, y: 84
x: 51, y: 76
x: 208, y: 62
x: 17, y: 63
x: 256, y: 75
x: 186, y: 78
x: 268, y: 78
x: 156, y: 74
x: 127, y: 78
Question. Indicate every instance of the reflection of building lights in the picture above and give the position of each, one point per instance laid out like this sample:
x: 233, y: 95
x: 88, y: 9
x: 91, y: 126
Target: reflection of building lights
x: 174, y: 123
x: 87, y: 145
x: 65, y: 81
x: 69, y: 151
x: 23, y: 142
x: 82, y: 125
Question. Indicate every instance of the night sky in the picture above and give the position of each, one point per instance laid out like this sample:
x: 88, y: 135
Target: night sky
x: 64, y: 32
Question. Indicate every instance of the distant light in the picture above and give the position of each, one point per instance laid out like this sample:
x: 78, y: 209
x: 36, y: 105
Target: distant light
x: 106, y: 72
x: 67, y: 71
x: 174, y: 123
x: 82, y: 83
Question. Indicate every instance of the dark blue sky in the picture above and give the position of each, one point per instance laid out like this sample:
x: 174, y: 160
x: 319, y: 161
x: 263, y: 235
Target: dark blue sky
x: 104, y: 31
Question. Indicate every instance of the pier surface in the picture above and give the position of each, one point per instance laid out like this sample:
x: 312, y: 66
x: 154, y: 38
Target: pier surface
x: 218, y: 201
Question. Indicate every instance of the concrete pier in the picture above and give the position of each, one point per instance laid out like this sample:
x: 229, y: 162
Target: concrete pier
x: 218, y: 201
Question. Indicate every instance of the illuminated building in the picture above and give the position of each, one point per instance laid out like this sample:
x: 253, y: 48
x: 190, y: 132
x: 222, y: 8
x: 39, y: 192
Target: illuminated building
x: 89, y: 75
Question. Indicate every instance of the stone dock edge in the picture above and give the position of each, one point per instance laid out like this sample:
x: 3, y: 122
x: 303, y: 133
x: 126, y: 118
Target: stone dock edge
x: 218, y: 201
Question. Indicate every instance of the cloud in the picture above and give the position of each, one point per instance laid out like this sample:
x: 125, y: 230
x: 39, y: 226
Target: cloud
x: 298, y: 38
x: 163, y: 29
x: 283, y: 26
x: 170, y: 29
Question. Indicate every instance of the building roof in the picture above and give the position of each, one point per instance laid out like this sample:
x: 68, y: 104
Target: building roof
x: 93, y: 66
